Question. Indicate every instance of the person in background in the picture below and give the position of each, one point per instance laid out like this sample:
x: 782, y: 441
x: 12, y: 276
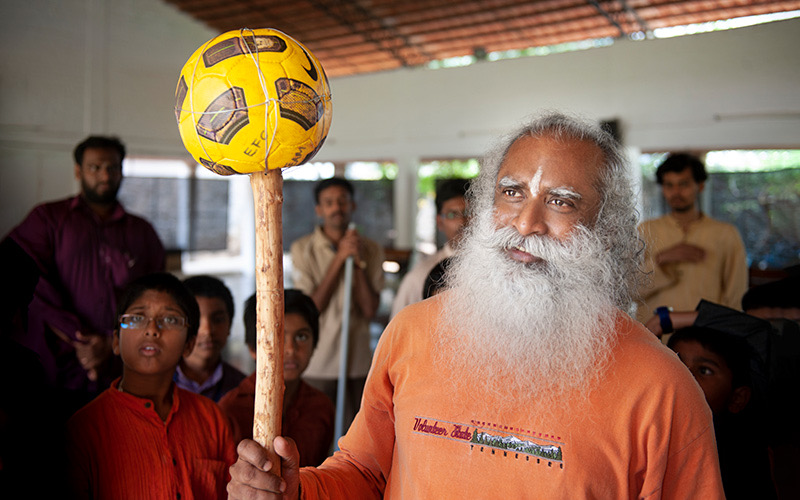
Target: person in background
x: 145, y: 437
x: 770, y: 326
x: 318, y: 261
x: 721, y: 364
x: 451, y: 218
x: 87, y: 249
x: 307, y: 413
x: 436, y: 282
x: 204, y: 371
x: 526, y: 378
x: 690, y: 255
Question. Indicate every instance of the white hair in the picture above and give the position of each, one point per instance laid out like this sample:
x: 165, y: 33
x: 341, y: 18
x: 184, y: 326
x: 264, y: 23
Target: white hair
x: 547, y: 328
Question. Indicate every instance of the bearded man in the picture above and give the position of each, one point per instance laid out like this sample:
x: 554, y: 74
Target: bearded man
x: 87, y: 248
x: 527, y: 378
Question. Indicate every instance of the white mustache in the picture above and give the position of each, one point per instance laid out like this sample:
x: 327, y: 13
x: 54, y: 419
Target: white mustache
x: 543, y: 247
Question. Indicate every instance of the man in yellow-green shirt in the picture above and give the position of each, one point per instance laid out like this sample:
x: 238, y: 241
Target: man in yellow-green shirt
x: 689, y: 255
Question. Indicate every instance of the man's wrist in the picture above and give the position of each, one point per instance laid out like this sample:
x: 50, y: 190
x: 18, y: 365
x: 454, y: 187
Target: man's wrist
x: 664, y: 318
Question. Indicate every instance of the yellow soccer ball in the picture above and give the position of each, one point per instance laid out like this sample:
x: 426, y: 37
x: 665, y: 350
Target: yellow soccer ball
x: 252, y: 99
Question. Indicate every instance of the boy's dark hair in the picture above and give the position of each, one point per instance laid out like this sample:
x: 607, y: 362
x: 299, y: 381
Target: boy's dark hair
x: 100, y: 142
x: 449, y: 189
x: 333, y: 181
x: 294, y: 301
x: 782, y: 293
x: 167, y: 283
x: 735, y: 351
x: 211, y: 287
x: 678, y: 162
x: 435, y: 280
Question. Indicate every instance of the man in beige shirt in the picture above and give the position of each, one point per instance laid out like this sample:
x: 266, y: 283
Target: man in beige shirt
x: 318, y: 261
x: 690, y: 256
x: 451, y: 218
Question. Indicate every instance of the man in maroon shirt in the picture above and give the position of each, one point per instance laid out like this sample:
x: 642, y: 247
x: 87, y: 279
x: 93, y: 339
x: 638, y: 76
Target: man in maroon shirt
x: 87, y: 249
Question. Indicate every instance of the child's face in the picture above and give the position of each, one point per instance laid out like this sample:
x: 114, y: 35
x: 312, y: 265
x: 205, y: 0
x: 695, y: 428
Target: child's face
x: 298, y: 345
x: 151, y: 350
x: 711, y: 372
x: 213, y: 331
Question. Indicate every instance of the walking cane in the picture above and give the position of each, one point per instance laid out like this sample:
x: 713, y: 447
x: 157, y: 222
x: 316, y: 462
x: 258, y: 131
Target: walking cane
x: 344, y: 345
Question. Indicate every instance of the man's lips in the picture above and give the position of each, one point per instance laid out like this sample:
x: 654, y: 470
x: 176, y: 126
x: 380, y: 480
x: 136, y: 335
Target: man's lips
x: 520, y: 255
x: 149, y: 350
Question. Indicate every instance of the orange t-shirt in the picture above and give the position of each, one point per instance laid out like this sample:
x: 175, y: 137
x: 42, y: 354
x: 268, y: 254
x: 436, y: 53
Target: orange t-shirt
x: 646, y: 431
x: 119, y: 447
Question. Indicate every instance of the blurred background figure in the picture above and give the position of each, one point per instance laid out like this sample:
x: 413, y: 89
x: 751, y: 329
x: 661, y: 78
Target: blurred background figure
x: 690, y: 255
x: 451, y: 218
x: 204, y: 371
x: 307, y: 413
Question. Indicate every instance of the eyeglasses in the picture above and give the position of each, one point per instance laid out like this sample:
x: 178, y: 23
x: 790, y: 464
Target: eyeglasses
x: 452, y: 214
x: 138, y: 322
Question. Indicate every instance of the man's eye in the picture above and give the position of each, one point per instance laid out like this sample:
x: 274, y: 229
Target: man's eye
x: 560, y: 202
x: 302, y: 337
x: 172, y: 320
x: 704, y: 370
x: 509, y: 192
x: 132, y: 320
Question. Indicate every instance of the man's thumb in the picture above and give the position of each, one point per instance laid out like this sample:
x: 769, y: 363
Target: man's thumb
x: 290, y: 464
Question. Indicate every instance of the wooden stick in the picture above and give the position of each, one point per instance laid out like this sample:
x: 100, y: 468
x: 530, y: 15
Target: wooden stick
x: 268, y: 201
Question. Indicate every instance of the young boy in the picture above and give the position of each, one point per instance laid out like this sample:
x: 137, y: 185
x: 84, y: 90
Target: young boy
x: 307, y: 412
x: 721, y: 364
x: 144, y: 437
x: 203, y: 371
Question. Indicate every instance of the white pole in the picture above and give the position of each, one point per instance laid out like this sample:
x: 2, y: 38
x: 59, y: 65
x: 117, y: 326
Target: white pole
x: 344, y: 344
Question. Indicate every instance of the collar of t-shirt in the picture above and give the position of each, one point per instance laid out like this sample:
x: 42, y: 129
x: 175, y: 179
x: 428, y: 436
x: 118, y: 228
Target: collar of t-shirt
x: 190, y: 385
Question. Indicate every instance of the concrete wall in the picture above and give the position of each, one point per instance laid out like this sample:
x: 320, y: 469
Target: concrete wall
x: 75, y: 67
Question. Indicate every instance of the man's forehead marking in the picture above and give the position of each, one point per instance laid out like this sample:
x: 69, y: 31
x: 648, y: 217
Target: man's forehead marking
x: 535, y: 182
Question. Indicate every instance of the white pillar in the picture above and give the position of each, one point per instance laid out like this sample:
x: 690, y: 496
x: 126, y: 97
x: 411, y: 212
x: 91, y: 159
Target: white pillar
x: 405, y: 202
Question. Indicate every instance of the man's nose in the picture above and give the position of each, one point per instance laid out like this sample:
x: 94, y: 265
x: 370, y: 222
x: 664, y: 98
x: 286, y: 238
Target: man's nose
x: 288, y: 347
x: 530, y: 219
x: 151, y: 328
x: 203, y: 328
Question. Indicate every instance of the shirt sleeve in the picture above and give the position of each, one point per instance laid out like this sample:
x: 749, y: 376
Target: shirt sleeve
x: 361, y: 468
x: 659, y: 277
x: 687, y: 474
x: 35, y: 235
x: 735, y: 275
x: 301, y: 274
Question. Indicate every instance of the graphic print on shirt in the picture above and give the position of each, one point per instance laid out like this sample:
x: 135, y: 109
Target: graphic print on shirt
x: 489, y: 437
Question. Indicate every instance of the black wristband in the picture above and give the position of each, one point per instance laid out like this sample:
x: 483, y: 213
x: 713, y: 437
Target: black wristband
x: 666, y: 321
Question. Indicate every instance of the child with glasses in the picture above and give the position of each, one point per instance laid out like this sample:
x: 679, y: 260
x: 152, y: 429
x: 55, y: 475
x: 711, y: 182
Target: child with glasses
x: 144, y: 437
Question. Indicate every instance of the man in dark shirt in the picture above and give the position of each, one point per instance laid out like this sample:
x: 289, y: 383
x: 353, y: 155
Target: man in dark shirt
x: 87, y: 248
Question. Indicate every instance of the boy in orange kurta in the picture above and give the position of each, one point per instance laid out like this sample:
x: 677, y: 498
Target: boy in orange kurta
x: 144, y: 437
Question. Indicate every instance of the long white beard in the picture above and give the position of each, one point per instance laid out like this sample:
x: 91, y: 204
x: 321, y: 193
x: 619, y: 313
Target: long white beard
x: 540, y: 331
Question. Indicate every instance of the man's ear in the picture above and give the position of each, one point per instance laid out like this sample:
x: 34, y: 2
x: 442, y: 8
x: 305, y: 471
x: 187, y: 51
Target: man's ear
x: 739, y: 399
x: 700, y: 187
x: 115, y: 342
x: 187, y: 349
x: 77, y: 172
x: 318, y: 211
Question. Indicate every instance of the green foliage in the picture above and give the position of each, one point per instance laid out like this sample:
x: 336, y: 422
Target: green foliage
x: 431, y: 171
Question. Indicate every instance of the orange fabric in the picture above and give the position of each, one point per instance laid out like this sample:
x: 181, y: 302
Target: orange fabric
x: 308, y: 421
x: 120, y: 448
x: 646, y: 432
